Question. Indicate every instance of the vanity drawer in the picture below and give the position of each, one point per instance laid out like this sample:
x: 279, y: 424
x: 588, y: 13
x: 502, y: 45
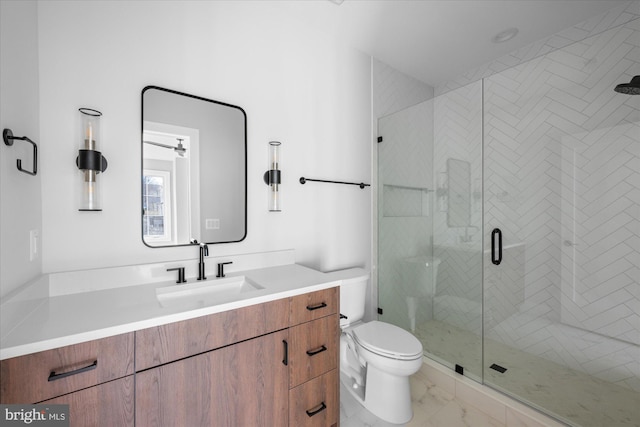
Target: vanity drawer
x: 313, y: 305
x: 313, y: 349
x: 316, y: 402
x: 162, y: 344
x: 40, y: 376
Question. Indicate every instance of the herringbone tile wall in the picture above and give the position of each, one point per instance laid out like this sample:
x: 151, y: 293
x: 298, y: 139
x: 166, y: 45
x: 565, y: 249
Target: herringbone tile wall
x: 562, y: 178
x: 458, y: 136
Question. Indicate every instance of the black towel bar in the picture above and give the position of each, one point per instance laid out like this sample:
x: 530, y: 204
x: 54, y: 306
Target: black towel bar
x: 359, y: 184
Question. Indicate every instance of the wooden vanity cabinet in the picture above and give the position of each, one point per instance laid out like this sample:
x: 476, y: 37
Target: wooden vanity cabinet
x: 314, y: 334
x: 94, y: 378
x: 270, y: 364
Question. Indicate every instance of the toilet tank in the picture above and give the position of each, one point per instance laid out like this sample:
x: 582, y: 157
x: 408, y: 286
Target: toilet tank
x: 353, y: 293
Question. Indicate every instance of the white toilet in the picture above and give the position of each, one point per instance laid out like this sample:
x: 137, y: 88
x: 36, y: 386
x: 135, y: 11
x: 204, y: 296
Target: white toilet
x: 376, y: 358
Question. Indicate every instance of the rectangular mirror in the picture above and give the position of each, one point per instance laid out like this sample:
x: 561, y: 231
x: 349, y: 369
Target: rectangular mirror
x: 459, y: 195
x: 194, y: 169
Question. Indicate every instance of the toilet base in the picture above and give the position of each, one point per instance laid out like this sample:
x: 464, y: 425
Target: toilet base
x: 387, y: 396
x: 354, y: 388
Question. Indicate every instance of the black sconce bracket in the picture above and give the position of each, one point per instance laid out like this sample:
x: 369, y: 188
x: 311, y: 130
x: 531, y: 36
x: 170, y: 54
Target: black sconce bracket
x: 8, y: 138
x: 91, y: 160
x: 273, y: 176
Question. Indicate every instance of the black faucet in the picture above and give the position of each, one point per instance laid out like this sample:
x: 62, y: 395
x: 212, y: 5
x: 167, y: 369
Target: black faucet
x: 221, y: 268
x: 204, y: 251
x: 180, y: 271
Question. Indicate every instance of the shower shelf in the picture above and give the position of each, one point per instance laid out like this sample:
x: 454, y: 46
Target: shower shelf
x: 404, y: 201
x: 408, y: 187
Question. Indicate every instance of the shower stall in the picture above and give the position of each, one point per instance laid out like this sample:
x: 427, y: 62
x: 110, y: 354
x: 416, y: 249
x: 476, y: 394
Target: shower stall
x: 509, y: 229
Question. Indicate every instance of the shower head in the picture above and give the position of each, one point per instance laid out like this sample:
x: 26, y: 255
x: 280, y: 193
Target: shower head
x: 631, y: 88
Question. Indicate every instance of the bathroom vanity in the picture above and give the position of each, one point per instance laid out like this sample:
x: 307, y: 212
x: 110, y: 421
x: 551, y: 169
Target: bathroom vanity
x: 272, y: 360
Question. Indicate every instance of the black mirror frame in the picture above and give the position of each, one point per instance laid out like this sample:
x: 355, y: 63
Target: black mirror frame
x: 142, y: 164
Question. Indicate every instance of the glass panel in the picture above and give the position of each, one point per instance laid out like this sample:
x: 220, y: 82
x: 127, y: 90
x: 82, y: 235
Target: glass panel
x: 405, y: 202
x: 455, y: 333
x: 562, y: 155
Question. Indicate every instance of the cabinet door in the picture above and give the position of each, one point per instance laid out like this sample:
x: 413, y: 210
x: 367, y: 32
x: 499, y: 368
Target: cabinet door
x: 105, y: 405
x: 245, y: 384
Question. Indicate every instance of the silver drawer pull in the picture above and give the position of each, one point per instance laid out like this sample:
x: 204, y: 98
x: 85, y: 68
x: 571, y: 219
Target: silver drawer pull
x: 53, y: 376
x: 316, y: 351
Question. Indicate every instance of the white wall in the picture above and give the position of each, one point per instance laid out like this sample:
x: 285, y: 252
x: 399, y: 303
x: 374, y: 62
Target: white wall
x: 295, y: 86
x: 20, y: 207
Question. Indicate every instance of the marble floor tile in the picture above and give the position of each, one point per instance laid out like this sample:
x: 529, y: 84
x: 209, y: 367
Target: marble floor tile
x: 576, y: 397
x: 432, y: 407
x: 459, y: 414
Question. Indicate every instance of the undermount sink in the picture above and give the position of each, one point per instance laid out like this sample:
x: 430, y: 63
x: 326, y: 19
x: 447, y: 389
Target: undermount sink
x: 206, y: 292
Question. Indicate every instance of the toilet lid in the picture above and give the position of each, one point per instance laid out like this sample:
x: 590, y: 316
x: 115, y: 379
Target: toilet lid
x: 388, y: 340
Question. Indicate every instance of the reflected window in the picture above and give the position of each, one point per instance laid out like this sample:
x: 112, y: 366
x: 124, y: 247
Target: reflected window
x: 156, y: 205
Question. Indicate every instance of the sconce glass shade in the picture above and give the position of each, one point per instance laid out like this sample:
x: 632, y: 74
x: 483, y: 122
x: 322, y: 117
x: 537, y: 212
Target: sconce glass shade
x: 273, y: 177
x: 90, y: 160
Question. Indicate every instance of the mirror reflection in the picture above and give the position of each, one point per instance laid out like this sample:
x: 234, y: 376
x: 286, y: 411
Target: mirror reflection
x: 193, y: 169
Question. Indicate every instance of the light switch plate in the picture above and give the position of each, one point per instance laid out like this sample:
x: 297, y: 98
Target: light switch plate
x: 34, y: 237
x: 212, y: 224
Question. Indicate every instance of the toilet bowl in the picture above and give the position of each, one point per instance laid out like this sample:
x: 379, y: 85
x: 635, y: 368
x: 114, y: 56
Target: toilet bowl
x: 386, y: 356
x: 376, y: 358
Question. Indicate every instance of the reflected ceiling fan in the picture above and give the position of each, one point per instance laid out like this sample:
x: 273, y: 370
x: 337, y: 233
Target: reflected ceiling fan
x: 179, y: 149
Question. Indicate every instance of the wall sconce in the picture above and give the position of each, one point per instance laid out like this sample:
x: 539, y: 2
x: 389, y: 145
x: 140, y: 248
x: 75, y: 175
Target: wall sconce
x: 90, y: 160
x: 272, y: 177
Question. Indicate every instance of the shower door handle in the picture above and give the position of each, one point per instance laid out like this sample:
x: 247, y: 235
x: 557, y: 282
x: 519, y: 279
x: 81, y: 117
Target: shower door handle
x: 496, y: 259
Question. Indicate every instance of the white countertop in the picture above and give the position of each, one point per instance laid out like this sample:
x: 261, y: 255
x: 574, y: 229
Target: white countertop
x: 54, y: 321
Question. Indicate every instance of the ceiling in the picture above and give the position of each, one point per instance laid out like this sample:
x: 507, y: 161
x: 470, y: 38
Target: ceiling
x: 438, y: 40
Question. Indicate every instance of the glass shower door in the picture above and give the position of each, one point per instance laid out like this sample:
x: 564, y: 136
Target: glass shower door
x: 562, y: 227
x: 429, y: 226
